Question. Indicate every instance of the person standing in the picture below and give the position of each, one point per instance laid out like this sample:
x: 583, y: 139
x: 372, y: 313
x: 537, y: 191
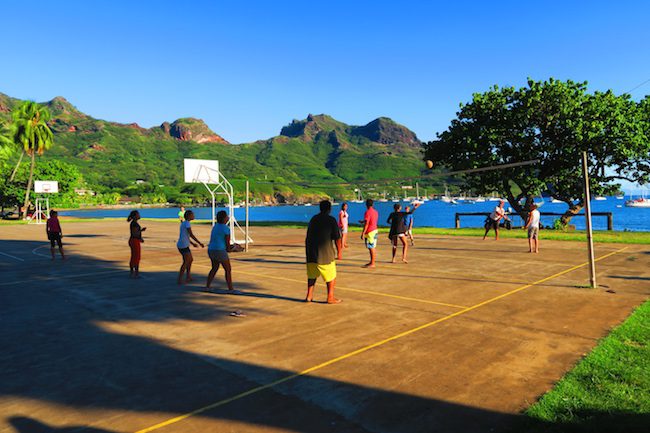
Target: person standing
x: 398, y: 229
x: 494, y: 219
x: 181, y: 214
x: 370, y: 231
x: 135, y: 241
x: 532, y: 224
x: 343, y: 224
x: 408, y: 222
x: 185, y: 238
x: 323, y: 236
x: 218, y: 251
x: 54, y: 233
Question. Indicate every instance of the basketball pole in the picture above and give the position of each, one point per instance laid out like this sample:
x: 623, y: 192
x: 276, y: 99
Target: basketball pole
x: 246, y: 231
x: 590, y: 240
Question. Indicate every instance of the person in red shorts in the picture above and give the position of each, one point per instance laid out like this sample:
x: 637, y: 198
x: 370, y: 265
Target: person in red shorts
x: 135, y: 241
x: 54, y: 233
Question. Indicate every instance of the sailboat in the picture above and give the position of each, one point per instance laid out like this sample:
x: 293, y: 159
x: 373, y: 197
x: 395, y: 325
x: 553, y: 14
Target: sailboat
x: 446, y: 198
x: 359, y: 198
x: 639, y: 202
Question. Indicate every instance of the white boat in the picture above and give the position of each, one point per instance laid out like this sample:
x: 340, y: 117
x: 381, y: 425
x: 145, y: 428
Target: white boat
x: 620, y: 197
x: 556, y: 201
x: 639, y: 202
x: 600, y: 198
x: 307, y: 204
x: 479, y: 199
x: 383, y: 200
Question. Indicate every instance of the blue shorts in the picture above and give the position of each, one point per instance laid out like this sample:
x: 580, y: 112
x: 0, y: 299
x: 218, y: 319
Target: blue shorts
x: 185, y: 250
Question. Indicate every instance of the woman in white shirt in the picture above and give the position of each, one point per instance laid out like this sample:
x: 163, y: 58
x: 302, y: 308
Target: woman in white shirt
x: 185, y: 237
x: 532, y: 224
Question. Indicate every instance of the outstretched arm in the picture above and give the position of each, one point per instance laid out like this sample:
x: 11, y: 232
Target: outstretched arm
x: 194, y: 237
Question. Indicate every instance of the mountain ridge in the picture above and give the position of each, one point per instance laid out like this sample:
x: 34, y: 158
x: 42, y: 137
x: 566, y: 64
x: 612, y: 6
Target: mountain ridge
x: 317, y: 149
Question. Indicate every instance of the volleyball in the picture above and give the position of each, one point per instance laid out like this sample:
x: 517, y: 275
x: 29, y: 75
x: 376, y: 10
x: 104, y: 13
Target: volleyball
x: 429, y: 163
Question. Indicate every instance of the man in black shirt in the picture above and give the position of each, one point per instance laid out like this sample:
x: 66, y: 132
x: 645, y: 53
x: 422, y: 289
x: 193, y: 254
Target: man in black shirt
x: 323, y: 234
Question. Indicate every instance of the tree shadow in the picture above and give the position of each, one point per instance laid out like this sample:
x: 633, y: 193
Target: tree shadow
x: 67, y: 341
x: 629, y: 277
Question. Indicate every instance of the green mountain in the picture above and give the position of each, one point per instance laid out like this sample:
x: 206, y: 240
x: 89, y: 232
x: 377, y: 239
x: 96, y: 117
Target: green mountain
x: 306, y: 161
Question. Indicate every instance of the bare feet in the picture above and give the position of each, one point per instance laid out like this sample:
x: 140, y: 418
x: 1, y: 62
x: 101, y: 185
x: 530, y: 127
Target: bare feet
x: 334, y: 301
x: 404, y: 260
x: 368, y: 265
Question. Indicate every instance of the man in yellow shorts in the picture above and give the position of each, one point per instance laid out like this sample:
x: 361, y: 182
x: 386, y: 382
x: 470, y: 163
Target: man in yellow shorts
x: 323, y: 235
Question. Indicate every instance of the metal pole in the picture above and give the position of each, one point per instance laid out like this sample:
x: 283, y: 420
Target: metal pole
x: 590, y: 240
x: 246, y: 231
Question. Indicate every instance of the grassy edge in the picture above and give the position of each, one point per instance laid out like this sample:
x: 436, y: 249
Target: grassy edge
x: 609, y: 389
x: 624, y: 237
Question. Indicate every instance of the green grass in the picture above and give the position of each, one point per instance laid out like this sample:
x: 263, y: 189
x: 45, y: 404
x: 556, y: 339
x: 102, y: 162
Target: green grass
x: 608, y: 391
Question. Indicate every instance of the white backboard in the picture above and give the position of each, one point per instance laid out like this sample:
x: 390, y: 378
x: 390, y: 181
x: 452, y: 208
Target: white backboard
x: 201, y: 170
x: 46, y: 186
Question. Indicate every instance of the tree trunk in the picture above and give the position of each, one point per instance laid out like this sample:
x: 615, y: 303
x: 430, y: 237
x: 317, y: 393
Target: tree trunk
x: 29, y: 184
x: 573, y: 210
x: 13, y: 173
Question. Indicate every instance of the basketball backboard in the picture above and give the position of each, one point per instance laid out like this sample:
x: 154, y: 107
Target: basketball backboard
x: 46, y: 186
x: 201, y: 170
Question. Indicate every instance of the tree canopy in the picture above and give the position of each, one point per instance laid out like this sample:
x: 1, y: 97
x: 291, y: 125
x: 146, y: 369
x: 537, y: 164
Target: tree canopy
x: 552, y: 121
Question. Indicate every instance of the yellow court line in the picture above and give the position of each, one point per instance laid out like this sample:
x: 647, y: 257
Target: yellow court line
x: 367, y: 292
x: 362, y: 349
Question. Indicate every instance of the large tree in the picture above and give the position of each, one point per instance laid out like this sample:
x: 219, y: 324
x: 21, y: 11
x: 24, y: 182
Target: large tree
x: 552, y: 121
x: 33, y: 135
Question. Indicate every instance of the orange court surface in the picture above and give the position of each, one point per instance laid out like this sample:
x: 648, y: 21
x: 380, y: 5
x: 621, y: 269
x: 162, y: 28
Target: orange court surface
x: 461, y: 339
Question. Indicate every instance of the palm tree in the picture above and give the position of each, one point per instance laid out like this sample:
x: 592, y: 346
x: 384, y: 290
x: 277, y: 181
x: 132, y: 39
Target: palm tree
x: 30, y: 131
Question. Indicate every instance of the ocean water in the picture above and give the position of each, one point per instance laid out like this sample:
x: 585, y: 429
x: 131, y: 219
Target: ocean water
x: 431, y: 214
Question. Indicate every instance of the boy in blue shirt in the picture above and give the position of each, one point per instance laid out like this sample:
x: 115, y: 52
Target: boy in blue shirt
x: 218, y: 251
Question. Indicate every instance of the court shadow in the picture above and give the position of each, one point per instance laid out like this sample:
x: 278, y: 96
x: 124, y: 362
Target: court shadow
x: 22, y: 424
x: 84, y: 342
x: 81, y: 235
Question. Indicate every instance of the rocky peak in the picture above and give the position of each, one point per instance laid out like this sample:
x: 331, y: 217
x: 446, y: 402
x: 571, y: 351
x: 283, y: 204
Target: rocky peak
x: 191, y: 129
x: 311, y: 126
x: 386, y: 131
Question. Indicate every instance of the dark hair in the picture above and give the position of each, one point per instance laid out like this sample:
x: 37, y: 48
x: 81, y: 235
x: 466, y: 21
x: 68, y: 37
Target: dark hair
x: 53, y: 213
x: 344, y: 204
x: 188, y: 213
x: 132, y: 215
x: 221, y: 216
x: 325, y: 206
x: 369, y: 202
x: 397, y: 206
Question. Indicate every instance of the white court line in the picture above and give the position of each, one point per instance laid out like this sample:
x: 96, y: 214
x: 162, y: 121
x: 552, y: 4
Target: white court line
x: 13, y: 257
x: 39, y: 254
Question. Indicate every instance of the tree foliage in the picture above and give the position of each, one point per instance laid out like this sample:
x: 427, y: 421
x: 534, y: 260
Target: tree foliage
x: 552, y: 121
x: 31, y: 132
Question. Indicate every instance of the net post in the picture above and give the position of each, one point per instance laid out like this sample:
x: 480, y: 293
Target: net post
x: 246, y: 231
x: 590, y: 240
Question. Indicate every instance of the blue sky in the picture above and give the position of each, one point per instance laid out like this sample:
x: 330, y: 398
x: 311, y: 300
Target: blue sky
x: 248, y: 68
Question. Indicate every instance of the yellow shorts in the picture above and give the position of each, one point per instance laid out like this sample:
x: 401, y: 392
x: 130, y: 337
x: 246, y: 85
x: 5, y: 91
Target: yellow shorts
x: 328, y: 271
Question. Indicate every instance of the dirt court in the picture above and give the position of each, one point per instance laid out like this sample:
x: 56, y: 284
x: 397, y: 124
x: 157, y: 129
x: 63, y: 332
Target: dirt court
x: 463, y: 338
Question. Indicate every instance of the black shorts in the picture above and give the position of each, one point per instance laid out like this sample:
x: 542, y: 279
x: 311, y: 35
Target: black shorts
x: 185, y: 250
x: 55, y: 238
x: 491, y: 224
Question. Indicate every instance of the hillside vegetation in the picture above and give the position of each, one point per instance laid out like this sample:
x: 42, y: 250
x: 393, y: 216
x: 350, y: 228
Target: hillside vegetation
x: 305, y: 162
